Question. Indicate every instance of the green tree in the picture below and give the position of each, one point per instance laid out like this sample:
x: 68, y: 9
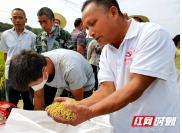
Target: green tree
x: 6, y: 26
x: 28, y: 27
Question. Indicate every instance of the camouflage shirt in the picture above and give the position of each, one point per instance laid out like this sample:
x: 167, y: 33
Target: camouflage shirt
x: 63, y: 40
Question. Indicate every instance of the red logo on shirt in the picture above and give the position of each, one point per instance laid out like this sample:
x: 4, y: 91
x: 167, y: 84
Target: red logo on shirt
x: 128, y: 54
x: 143, y: 121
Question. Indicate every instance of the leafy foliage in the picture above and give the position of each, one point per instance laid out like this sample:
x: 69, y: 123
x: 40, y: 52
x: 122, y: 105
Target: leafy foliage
x: 2, y: 77
x: 6, y: 26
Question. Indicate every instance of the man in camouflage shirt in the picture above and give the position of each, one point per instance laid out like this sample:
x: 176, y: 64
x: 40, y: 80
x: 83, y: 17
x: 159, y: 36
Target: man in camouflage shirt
x: 62, y: 37
x: 62, y: 40
x: 53, y: 37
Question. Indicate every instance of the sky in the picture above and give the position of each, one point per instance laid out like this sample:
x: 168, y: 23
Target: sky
x: 163, y: 12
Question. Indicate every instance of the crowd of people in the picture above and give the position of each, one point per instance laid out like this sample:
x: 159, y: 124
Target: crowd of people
x: 133, y: 66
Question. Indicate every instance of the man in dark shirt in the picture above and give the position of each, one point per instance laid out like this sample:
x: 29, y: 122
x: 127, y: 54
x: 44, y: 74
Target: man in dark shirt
x: 78, y: 38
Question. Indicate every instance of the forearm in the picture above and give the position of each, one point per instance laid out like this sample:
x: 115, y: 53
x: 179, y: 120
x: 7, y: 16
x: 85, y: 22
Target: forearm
x: 5, y: 57
x: 98, y: 95
x: 77, y: 94
x: 111, y: 103
x: 122, y: 97
x: 80, y: 49
x: 39, y: 102
x: 81, y: 52
x: 78, y: 98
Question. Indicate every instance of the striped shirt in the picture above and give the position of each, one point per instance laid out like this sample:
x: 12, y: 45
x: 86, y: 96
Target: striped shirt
x: 78, y: 38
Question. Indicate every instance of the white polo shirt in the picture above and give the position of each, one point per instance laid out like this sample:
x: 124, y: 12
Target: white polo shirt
x: 12, y: 44
x: 147, y: 49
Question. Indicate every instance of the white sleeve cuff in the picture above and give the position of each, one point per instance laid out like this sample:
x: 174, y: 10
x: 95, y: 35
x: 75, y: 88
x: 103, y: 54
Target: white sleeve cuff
x: 149, y: 73
x: 105, y: 80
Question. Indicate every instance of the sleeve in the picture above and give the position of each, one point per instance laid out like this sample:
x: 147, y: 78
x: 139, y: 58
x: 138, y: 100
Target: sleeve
x: 76, y: 78
x: 3, y: 45
x: 33, y: 42
x: 90, y: 49
x: 105, y: 74
x: 81, y: 39
x: 155, y: 55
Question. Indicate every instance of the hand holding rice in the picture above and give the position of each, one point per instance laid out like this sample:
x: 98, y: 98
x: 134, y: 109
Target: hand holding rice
x: 58, y: 108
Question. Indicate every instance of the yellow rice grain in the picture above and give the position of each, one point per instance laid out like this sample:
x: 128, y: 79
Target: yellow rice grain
x: 58, y: 108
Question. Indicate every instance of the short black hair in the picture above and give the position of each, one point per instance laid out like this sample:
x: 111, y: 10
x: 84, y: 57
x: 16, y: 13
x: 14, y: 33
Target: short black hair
x: 46, y: 11
x: 105, y: 4
x: 77, y: 22
x: 176, y: 39
x: 20, y: 10
x: 25, y: 68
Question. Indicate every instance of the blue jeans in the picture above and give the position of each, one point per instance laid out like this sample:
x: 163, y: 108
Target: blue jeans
x: 13, y: 96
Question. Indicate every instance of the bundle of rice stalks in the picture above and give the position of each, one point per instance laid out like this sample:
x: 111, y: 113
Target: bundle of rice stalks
x: 58, y: 108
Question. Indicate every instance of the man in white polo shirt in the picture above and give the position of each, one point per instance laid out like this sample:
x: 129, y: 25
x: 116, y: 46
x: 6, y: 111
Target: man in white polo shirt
x: 12, y: 42
x: 137, y: 73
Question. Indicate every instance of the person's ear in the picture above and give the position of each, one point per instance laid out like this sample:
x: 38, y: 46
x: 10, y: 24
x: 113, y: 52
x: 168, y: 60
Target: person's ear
x: 113, y: 12
x: 81, y: 25
x: 45, y: 69
x: 25, y: 20
x: 53, y: 20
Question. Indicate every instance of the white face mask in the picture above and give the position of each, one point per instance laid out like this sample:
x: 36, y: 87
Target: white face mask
x: 41, y: 85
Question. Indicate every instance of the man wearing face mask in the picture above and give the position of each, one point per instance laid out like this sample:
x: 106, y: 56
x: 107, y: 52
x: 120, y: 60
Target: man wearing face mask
x: 53, y: 37
x: 78, y: 37
x: 59, y: 68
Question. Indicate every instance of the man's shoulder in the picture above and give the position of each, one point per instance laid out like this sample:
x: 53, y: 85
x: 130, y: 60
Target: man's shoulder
x: 6, y: 32
x: 63, y: 31
x: 94, y: 43
x: 31, y: 33
x: 76, y: 32
x: 150, y: 27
